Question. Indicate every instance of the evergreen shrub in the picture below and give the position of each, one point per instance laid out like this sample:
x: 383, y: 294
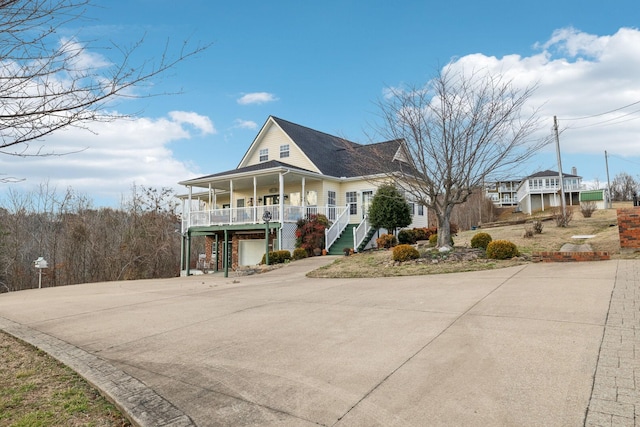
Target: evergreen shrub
x: 277, y: 257
x: 386, y: 241
x: 481, y: 240
x: 502, y: 249
x: 405, y: 253
x: 299, y: 253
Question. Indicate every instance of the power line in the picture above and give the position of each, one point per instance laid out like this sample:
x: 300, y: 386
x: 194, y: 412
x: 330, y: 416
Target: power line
x: 624, y: 159
x: 606, y: 112
x: 615, y: 119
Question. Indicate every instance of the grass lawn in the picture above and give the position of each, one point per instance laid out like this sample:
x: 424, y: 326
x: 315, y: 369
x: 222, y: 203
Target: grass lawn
x: 38, y: 391
x: 602, y: 225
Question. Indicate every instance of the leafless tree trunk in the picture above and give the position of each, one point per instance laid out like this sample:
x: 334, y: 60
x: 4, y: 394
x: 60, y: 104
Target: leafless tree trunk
x: 458, y: 131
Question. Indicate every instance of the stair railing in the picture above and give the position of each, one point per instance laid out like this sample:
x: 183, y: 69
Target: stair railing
x: 332, y: 233
x: 360, y: 232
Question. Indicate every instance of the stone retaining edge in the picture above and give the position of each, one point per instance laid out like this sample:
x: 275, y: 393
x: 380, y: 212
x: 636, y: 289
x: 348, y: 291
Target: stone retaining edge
x: 139, y: 403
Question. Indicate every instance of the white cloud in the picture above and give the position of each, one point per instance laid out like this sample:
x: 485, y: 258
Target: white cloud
x: 256, y: 98
x: 202, y: 123
x: 109, y: 159
x: 244, y: 124
x: 574, y: 43
x: 579, y: 75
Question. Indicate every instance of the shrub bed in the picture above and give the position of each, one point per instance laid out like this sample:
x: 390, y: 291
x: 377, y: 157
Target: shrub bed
x: 386, y: 241
x: 481, y: 240
x: 405, y: 253
x: 502, y: 249
x: 277, y: 257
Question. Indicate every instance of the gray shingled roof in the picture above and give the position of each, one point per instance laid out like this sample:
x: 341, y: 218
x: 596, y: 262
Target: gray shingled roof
x: 336, y: 156
x: 548, y: 173
x: 257, y: 167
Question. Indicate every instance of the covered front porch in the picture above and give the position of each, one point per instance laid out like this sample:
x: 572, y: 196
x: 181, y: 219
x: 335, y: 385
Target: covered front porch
x: 247, y: 199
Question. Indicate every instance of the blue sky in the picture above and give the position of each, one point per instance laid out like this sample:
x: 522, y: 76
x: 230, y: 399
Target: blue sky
x: 324, y: 65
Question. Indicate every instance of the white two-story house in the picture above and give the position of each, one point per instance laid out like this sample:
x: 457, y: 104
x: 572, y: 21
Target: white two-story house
x: 541, y: 191
x: 287, y: 173
x: 503, y: 193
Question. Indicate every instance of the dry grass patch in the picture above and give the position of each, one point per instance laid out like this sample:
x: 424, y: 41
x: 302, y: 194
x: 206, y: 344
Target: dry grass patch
x: 602, y: 225
x: 379, y: 264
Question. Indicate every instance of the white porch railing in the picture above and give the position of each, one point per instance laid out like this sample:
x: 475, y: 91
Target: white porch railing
x: 253, y: 215
x: 360, y: 232
x: 332, y: 233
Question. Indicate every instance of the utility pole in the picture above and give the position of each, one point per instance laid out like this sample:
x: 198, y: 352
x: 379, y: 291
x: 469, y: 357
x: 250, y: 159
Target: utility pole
x: 606, y: 162
x: 555, y: 128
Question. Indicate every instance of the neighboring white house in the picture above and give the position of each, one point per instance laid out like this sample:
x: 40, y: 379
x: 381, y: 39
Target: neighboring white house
x: 541, y: 191
x: 503, y: 193
x: 288, y: 172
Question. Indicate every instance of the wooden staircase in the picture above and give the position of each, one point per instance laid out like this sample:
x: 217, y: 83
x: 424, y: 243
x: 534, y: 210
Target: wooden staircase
x: 344, y: 241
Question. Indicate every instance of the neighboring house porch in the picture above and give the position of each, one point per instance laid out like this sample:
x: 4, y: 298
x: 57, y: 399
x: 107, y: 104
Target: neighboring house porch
x: 541, y: 191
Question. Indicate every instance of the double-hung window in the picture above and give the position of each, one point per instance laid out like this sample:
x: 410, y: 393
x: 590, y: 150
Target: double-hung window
x: 352, y: 201
x: 264, y: 154
x: 284, y: 151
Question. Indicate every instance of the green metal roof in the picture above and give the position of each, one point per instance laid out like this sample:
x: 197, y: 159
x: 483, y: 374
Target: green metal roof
x: 592, y: 196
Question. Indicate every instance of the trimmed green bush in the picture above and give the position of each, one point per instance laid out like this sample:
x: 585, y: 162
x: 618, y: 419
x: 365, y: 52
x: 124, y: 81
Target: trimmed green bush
x: 407, y: 237
x: 502, y: 249
x: 277, y: 257
x: 386, y: 241
x: 412, y: 235
x: 405, y: 253
x: 298, y: 253
x: 481, y: 240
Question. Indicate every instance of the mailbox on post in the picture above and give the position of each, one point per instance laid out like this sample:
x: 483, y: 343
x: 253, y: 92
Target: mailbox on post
x: 40, y: 263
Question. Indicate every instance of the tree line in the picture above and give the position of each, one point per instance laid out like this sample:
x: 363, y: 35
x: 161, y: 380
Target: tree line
x: 624, y: 187
x: 82, y: 244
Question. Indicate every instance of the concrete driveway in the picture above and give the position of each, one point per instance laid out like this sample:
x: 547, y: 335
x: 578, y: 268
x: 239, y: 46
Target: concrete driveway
x: 513, y: 347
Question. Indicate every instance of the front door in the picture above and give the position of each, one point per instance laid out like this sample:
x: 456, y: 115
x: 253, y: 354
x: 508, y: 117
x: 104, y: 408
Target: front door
x: 367, y: 196
x: 272, y: 199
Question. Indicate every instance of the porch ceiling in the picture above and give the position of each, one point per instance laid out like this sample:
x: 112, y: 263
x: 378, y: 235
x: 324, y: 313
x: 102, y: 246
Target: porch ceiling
x: 267, y: 179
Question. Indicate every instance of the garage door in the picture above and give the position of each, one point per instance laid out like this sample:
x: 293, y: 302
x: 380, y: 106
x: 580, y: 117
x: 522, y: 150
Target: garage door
x: 250, y: 251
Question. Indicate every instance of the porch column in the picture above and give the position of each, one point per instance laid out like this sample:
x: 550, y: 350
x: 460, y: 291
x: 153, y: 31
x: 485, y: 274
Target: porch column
x: 209, y: 195
x: 188, y: 211
x: 230, y: 201
x: 542, y: 201
x: 281, y: 207
x: 217, y: 252
x: 182, y: 252
x: 188, y: 253
x: 304, y: 196
x: 225, y: 255
x: 255, y: 200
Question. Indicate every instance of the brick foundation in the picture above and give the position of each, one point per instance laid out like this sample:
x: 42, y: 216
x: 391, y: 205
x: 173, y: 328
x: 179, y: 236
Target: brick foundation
x: 570, y: 256
x: 629, y: 227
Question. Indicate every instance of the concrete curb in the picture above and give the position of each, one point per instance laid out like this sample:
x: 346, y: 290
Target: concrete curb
x: 140, y: 404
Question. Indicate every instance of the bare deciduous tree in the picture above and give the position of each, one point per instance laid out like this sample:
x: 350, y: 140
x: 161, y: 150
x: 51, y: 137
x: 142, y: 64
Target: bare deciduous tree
x: 47, y: 82
x: 83, y: 244
x: 623, y: 187
x: 456, y: 132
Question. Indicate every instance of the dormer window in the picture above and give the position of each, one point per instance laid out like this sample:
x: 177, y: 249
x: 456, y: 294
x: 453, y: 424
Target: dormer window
x: 264, y: 154
x: 284, y: 151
